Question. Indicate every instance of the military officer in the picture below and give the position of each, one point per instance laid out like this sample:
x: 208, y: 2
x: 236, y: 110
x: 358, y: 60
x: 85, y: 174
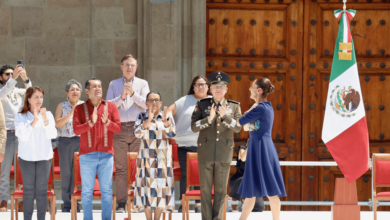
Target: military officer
x: 215, y: 119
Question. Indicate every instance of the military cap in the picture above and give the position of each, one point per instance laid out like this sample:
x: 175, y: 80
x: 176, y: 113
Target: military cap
x: 219, y: 78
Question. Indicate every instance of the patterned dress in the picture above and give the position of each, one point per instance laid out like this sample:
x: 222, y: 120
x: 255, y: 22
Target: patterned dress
x: 67, y: 129
x: 154, y: 184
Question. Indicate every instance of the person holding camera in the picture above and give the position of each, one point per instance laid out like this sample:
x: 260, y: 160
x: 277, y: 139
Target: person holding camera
x: 12, y: 99
x: 35, y: 127
x: 128, y: 93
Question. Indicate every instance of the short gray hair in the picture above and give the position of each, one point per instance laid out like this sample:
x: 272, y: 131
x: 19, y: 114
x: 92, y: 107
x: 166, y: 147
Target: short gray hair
x: 71, y: 82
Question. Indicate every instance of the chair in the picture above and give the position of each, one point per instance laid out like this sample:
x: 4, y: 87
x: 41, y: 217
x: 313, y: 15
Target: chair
x: 193, y: 180
x: 77, y: 193
x: 381, y: 178
x: 176, y: 165
x: 18, y: 194
x: 131, y: 171
x: 56, y: 162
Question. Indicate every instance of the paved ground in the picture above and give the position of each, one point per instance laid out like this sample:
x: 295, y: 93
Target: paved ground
x: 285, y: 215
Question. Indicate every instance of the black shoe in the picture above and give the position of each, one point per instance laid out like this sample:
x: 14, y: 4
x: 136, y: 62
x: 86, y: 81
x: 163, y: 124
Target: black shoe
x: 66, y: 207
x: 180, y: 209
x: 198, y: 209
x: 121, y: 208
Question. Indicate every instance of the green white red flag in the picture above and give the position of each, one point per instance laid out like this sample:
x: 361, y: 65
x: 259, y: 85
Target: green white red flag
x: 345, y: 131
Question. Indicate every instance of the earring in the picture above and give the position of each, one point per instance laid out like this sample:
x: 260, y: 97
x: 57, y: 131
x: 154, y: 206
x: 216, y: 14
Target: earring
x: 257, y: 95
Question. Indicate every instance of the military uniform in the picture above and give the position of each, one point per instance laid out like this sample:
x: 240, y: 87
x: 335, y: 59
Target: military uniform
x: 215, y: 152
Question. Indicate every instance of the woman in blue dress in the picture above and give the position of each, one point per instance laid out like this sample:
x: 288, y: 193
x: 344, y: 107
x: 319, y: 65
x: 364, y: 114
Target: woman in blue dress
x: 262, y: 176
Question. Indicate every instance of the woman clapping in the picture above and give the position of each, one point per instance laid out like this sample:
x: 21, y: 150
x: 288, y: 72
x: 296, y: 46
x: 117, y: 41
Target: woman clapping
x: 154, y: 184
x: 35, y: 127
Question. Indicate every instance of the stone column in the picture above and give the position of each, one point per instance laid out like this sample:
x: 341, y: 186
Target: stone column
x: 171, y: 44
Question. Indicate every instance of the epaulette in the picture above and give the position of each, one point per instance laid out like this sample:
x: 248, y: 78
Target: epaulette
x: 205, y: 99
x: 232, y: 101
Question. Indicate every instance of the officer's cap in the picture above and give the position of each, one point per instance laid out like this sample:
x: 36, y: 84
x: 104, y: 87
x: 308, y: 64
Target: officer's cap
x: 219, y: 78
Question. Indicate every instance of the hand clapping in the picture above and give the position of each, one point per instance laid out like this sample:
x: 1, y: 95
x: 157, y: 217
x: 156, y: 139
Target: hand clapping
x: 127, y: 90
x: 43, y: 114
x: 212, y: 112
x: 164, y: 117
x: 222, y: 111
x: 105, y: 117
x: 94, y: 115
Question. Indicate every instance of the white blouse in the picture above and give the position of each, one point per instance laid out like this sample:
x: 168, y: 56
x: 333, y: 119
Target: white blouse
x: 35, y: 142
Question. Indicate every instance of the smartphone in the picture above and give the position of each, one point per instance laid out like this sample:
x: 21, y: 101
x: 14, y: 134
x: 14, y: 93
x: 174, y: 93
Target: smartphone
x: 21, y: 63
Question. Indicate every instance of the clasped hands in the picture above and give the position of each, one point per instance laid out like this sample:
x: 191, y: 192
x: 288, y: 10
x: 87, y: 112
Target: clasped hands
x: 213, y: 112
x: 36, y: 116
x: 104, y: 116
x: 127, y: 90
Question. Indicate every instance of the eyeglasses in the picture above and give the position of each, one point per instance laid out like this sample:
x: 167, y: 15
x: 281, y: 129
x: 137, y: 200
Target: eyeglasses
x: 7, y: 74
x: 218, y: 87
x: 128, y: 65
x: 75, y: 90
x: 200, y: 85
x: 153, y: 100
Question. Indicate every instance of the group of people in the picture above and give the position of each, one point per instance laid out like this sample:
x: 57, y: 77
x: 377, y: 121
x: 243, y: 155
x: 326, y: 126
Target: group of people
x: 132, y: 119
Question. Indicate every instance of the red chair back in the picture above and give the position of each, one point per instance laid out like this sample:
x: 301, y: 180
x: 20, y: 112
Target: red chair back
x: 131, y: 168
x: 19, y: 177
x: 175, y: 154
x: 381, y: 169
x: 76, y: 170
x: 192, y: 170
x: 56, y: 157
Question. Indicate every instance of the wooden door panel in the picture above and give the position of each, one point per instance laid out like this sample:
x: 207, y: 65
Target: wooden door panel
x: 370, y: 29
x: 248, y: 39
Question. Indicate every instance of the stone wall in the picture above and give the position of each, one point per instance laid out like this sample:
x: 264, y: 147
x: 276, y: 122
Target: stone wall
x: 64, y: 39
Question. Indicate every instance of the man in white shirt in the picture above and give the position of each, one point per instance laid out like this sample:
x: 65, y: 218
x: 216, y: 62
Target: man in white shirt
x: 12, y: 99
x: 129, y: 95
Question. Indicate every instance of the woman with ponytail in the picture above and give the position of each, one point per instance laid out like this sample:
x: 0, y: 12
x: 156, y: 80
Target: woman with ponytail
x: 263, y: 175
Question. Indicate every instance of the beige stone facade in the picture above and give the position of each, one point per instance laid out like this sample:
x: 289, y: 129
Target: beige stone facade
x: 64, y: 39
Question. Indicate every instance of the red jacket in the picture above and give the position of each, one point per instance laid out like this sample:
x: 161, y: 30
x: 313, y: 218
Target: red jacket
x: 96, y: 137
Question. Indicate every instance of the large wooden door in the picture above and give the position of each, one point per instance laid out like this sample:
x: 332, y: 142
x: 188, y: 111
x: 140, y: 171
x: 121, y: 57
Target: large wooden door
x: 292, y: 42
x: 248, y: 39
x: 370, y: 30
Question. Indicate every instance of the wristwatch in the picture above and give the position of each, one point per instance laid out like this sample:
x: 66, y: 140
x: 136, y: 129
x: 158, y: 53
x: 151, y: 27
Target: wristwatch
x: 27, y: 80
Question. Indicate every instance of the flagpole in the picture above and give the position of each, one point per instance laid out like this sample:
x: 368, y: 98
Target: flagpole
x: 345, y: 6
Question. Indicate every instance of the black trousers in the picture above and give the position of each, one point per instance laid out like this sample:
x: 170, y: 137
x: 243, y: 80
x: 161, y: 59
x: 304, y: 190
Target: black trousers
x: 35, y: 176
x: 182, y: 154
x: 66, y: 148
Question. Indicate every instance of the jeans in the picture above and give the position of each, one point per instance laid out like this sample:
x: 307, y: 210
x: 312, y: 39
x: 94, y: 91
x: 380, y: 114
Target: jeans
x: 101, y: 164
x: 35, y: 176
x: 11, y: 147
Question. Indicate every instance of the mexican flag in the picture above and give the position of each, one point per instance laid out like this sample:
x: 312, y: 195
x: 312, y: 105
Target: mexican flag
x: 345, y: 131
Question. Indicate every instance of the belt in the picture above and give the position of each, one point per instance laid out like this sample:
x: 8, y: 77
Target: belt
x: 128, y: 124
x: 12, y: 130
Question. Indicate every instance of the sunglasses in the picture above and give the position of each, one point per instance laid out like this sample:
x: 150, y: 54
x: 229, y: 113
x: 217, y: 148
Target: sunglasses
x: 7, y: 74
